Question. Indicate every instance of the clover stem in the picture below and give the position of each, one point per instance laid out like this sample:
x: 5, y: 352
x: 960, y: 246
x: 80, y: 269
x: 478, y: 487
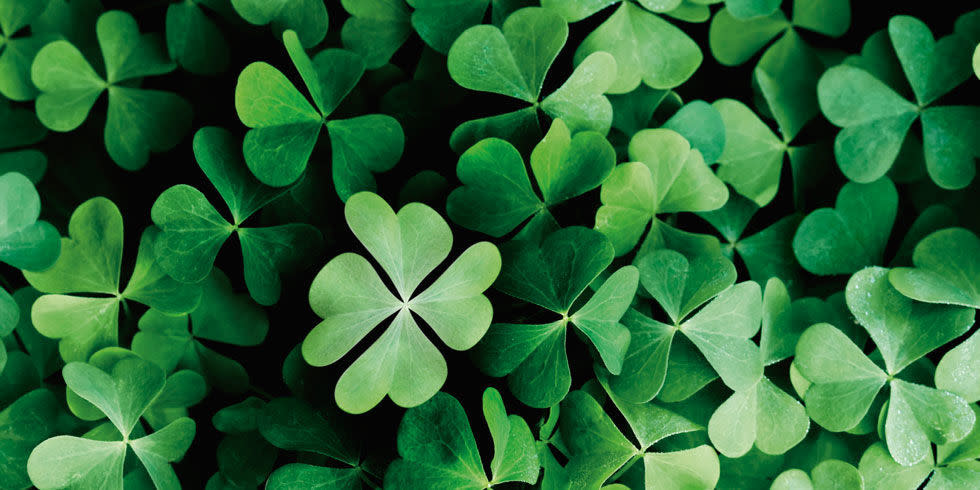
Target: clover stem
x: 362, y: 474
x: 125, y: 306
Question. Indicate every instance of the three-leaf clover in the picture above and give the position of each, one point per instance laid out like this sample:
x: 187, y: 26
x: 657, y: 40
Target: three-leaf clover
x: 514, y: 60
x: 497, y: 196
x: 553, y: 275
x: 955, y: 467
x: 285, y: 127
x: 438, y: 450
x: 646, y: 47
x: 852, y: 234
x: 25, y: 241
x: 600, y: 452
x: 90, y: 264
x: 139, y: 121
x: 734, y: 41
x: 721, y: 331
x: 352, y: 300
x: 222, y: 316
x: 845, y: 381
x: 16, y: 50
x: 192, y: 230
x: 875, y: 119
x: 308, y: 18
x: 665, y: 175
x: 123, y: 393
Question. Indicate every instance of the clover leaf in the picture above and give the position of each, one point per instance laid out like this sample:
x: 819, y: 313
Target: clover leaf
x: 852, y: 234
x: 763, y: 416
x: 222, y: 316
x: 514, y: 60
x: 123, y: 394
x: 308, y: 18
x: 25, y: 242
x: 350, y: 297
x: 497, y: 196
x: 139, y: 121
x: 16, y: 50
x: 845, y: 381
x: 734, y: 41
x: 182, y: 389
x: 376, y: 29
x: 90, y: 264
x: 753, y: 157
x: 245, y: 458
x: 192, y: 230
x: 291, y: 424
x: 935, y: 278
x: 955, y: 371
x: 875, y: 119
x: 665, y: 175
x: 646, y: 47
x: 553, y: 275
x: 438, y: 450
x: 600, y: 452
x: 720, y: 331
x: 24, y: 424
x: 193, y: 41
x: 830, y: 473
x: 285, y: 127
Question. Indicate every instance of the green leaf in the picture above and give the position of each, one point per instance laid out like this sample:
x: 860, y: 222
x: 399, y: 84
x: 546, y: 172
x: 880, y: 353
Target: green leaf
x: 307, y: 17
x: 408, y: 246
x: 512, y: 60
x: 440, y: 22
x: 68, y: 84
x: 599, y: 318
x: 497, y: 193
x: 673, y: 60
x: 701, y: 124
x: 24, y: 424
x: 746, y: 9
x: 193, y: 40
x: 722, y: 331
x: 904, y: 330
x: 828, y: 474
x: 955, y: 370
x: 919, y: 414
x: 143, y: 121
x: 845, y: 381
x: 875, y: 120
x: 734, y: 41
x: 297, y: 476
x: 438, y: 450
x: 122, y: 394
x: 879, y: 470
x: 787, y: 76
x: 580, y: 101
x: 934, y: 279
x: 851, y: 235
x: 753, y: 157
x: 917, y: 52
x: 555, y: 273
x: 681, y: 286
x: 25, y: 241
x: 361, y: 146
x: 290, y: 423
x: 65, y: 461
x: 695, y: 468
x: 375, y: 29
x: 762, y: 415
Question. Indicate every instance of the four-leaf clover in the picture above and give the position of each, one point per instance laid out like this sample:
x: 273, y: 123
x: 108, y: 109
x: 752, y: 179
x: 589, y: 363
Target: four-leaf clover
x: 350, y: 297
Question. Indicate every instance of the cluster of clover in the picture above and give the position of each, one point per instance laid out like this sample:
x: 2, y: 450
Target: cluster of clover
x: 835, y: 354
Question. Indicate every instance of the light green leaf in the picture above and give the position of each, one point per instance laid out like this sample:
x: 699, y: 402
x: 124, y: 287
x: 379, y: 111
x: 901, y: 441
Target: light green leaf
x: 844, y: 381
x: 25, y: 242
x: 956, y: 371
x: 753, y: 157
x: 580, y: 102
x: 68, y: 84
x: 65, y: 461
x: 919, y: 414
x: 935, y: 279
x: 902, y: 329
x: 122, y: 394
x: 762, y: 415
x: 307, y: 17
x: 851, y: 235
x: 646, y: 48
x: 917, y: 52
x: 734, y: 41
x: 879, y: 470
